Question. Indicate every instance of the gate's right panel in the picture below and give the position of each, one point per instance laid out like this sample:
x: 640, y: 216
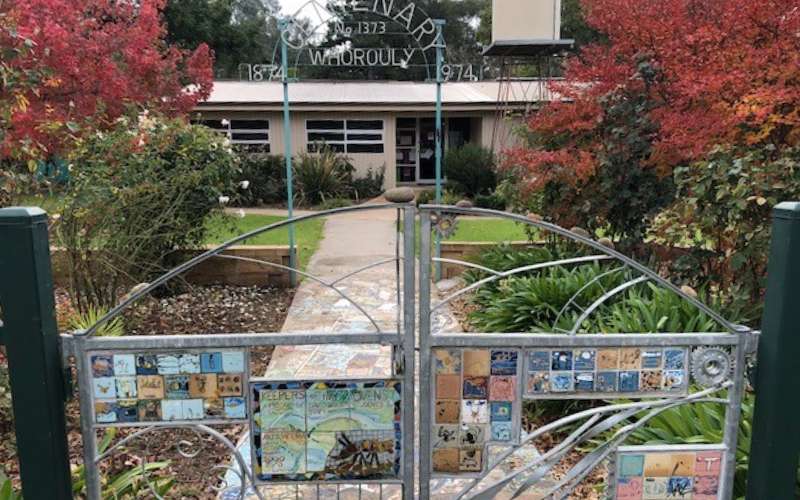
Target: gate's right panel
x: 559, y: 368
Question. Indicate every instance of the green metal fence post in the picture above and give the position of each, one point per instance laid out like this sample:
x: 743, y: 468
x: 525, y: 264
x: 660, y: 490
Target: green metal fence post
x: 776, y: 441
x: 34, y: 359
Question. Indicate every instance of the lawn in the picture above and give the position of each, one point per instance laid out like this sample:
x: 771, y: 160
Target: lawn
x: 488, y: 229
x: 307, y: 234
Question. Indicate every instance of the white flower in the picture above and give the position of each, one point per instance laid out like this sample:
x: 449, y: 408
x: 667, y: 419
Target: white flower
x: 240, y: 213
x: 225, y: 122
x: 244, y: 184
x: 223, y: 200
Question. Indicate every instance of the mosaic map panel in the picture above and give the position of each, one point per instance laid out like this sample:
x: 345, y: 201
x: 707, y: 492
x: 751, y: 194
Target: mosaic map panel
x: 304, y: 431
x: 141, y: 388
x: 606, y: 372
x: 669, y: 472
x: 475, y: 402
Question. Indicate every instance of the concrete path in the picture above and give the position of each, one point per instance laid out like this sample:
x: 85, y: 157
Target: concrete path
x: 350, y: 242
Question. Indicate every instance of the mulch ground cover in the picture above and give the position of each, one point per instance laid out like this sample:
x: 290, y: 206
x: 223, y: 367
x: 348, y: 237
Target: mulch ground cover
x: 198, y: 310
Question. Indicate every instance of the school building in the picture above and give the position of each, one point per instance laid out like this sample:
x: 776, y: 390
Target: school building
x: 376, y: 124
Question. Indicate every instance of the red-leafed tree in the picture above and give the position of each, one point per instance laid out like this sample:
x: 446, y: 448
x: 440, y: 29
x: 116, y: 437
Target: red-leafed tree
x: 102, y: 59
x: 710, y: 72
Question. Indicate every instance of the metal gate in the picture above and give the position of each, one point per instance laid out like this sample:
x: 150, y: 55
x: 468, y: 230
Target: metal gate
x: 473, y: 386
x: 318, y: 438
x: 355, y: 437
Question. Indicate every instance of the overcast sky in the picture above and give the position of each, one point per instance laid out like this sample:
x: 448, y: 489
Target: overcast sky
x: 289, y: 7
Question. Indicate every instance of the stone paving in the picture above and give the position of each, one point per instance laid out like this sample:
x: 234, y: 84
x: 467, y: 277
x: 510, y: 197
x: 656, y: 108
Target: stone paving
x: 351, y: 241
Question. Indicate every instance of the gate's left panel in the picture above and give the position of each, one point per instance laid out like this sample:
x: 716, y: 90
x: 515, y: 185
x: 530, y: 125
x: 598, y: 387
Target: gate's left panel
x: 307, y: 428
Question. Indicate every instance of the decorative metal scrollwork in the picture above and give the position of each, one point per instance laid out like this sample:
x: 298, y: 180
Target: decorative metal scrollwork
x: 711, y: 365
x: 444, y: 224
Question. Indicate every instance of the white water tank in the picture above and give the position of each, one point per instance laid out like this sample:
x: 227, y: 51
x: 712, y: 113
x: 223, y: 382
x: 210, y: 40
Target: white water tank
x: 525, y: 21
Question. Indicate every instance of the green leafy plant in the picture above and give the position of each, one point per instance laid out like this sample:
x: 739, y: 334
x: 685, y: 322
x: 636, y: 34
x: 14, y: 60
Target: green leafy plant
x: 428, y: 197
x: 652, y: 309
x: 532, y: 303
x: 138, y: 192
x: 265, y: 176
x: 332, y: 203
x: 492, y: 201
x: 7, y: 491
x: 129, y: 483
x: 721, y: 215
x: 470, y: 169
x: 322, y: 175
x: 82, y: 321
x: 368, y: 186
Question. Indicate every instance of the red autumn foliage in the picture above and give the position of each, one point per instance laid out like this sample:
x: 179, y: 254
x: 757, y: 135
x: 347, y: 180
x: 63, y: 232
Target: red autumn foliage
x: 723, y: 72
x: 102, y: 58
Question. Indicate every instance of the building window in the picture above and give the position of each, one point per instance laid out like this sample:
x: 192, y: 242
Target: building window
x: 346, y: 136
x: 249, y: 135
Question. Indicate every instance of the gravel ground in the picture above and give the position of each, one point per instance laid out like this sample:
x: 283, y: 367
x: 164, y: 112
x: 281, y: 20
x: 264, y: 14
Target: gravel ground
x: 211, y: 309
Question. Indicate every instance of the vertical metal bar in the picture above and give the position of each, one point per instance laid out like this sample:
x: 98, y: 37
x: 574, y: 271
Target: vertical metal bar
x: 398, y: 283
x: 425, y: 415
x: 287, y: 146
x: 733, y: 416
x: 775, y: 440
x: 439, y: 62
x: 30, y: 333
x: 88, y: 432
x: 409, y: 344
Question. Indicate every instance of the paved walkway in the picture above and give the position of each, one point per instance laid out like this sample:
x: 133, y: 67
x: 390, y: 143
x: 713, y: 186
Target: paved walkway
x: 350, y: 242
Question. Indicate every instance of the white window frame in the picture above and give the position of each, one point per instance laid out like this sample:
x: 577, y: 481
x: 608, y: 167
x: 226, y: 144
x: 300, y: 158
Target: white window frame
x: 344, y: 131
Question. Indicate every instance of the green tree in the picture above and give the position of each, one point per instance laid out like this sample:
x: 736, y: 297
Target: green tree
x: 238, y: 31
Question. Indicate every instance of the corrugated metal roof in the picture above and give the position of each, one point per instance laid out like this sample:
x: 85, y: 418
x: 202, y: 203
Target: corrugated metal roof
x: 378, y: 92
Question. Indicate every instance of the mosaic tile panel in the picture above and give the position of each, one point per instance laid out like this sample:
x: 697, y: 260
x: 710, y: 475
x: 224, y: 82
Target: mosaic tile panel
x: 668, y: 472
x: 312, y: 430
x: 476, y: 399
x: 141, y: 388
x: 605, y: 372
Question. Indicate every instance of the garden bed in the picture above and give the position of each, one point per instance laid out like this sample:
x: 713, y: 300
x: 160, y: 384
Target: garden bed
x: 200, y: 310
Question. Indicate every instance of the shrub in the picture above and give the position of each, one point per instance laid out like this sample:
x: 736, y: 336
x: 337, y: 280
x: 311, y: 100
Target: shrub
x: 492, y: 201
x: 266, y: 176
x: 322, y: 175
x: 470, y: 170
x: 722, y: 214
x: 428, y: 197
x: 369, y: 186
x: 332, y: 203
x: 532, y: 303
x: 138, y: 192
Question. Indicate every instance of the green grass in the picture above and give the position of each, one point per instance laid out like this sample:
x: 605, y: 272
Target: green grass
x: 307, y: 234
x: 488, y: 229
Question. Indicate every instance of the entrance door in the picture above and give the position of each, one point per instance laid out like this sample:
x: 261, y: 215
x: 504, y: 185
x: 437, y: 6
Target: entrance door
x: 427, y: 150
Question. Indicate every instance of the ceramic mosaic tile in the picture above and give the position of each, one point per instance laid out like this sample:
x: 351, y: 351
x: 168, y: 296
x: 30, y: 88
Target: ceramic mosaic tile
x: 475, y: 402
x: 603, y: 372
x: 668, y: 472
x: 310, y: 431
x: 139, y: 388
